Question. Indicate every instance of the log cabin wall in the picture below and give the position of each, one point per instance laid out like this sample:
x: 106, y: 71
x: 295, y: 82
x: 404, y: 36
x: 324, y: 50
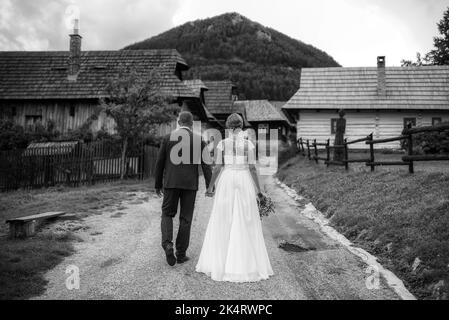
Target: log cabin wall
x: 384, y: 124
x: 66, y: 115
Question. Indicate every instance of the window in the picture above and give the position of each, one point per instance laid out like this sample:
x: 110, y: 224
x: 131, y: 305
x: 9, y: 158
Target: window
x: 436, y: 121
x: 334, y: 126
x: 32, y: 120
x: 8, y: 113
x: 72, y: 111
x: 409, y: 122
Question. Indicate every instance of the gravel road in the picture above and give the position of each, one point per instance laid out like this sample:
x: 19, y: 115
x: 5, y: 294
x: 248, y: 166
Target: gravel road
x: 121, y: 258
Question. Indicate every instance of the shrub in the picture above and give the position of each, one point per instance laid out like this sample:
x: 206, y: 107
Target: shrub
x: 14, y: 136
x: 432, y: 142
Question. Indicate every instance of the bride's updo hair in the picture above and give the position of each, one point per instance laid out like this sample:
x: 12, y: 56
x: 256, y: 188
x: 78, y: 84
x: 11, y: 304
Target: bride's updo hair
x: 234, y: 121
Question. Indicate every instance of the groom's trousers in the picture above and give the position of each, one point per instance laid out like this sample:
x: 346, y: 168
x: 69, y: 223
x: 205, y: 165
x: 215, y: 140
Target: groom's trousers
x: 186, y: 200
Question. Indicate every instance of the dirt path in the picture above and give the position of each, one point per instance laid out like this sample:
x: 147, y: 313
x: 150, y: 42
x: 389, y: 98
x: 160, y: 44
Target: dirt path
x: 121, y: 258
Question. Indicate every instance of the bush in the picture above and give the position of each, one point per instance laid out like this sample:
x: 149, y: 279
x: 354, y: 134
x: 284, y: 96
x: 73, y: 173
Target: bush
x: 14, y: 136
x: 432, y: 142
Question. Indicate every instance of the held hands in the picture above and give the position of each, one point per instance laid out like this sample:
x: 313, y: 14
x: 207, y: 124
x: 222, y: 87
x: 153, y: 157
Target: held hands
x: 210, y: 192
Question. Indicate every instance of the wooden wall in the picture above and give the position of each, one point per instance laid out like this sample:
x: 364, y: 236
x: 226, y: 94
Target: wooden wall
x: 59, y: 113
x: 384, y: 124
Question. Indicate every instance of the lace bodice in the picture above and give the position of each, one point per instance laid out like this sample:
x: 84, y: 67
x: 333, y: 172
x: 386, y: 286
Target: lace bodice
x: 237, y: 151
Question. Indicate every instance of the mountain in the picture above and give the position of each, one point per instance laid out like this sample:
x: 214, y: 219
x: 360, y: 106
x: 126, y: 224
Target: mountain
x: 262, y: 62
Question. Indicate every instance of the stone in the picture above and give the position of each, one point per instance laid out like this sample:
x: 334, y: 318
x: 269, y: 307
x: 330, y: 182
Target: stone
x: 416, y: 264
x: 389, y: 247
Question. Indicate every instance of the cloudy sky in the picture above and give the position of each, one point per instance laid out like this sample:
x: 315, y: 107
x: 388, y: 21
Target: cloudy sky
x: 354, y: 32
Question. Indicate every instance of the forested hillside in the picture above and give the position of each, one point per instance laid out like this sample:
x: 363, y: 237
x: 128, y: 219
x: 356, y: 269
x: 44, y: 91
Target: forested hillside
x: 264, y: 63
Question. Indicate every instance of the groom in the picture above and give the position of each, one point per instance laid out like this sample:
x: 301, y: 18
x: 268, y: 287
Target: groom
x: 177, y: 181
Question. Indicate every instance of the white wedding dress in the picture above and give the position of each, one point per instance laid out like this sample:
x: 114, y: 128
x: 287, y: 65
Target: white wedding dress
x: 234, y: 248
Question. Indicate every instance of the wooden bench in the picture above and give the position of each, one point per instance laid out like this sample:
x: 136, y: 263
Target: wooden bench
x: 26, y: 226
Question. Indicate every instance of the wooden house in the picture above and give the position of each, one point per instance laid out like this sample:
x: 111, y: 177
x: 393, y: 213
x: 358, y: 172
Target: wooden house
x: 199, y: 88
x: 263, y: 115
x: 65, y: 86
x: 290, y: 119
x: 380, y: 100
x: 220, y: 98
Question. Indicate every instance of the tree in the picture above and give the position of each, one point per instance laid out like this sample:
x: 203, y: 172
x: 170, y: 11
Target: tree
x: 137, y: 105
x: 440, y: 55
x: 420, y: 61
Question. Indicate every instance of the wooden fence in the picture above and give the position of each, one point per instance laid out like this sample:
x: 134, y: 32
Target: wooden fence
x: 79, y: 164
x: 309, y: 149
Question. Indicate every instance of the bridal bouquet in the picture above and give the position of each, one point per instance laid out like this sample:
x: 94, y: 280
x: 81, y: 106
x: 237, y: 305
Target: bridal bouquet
x: 266, y: 205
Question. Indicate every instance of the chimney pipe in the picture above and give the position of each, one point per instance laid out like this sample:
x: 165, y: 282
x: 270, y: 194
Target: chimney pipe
x: 75, y: 52
x: 381, y: 77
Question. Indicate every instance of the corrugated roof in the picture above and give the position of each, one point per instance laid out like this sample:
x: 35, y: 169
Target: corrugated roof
x: 356, y: 88
x: 260, y: 110
x: 219, y: 96
x: 43, y: 75
x: 50, y: 148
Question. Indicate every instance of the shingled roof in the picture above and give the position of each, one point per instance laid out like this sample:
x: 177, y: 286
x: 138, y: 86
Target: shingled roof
x: 261, y: 111
x: 43, y: 75
x: 219, y: 96
x: 425, y: 88
x: 196, y: 86
x: 279, y: 105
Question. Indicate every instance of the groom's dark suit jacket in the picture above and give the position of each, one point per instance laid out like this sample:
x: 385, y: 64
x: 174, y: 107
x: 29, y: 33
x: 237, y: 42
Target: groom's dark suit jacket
x: 183, y: 175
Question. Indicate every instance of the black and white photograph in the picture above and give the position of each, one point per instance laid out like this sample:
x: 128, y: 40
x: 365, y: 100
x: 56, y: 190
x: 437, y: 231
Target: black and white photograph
x: 223, y: 157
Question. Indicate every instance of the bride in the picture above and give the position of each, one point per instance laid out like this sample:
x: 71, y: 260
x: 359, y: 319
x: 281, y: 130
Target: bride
x: 234, y: 248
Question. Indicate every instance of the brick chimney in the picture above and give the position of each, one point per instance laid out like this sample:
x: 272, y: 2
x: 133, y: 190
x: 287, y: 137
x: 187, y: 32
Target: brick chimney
x: 381, y: 77
x: 75, y: 53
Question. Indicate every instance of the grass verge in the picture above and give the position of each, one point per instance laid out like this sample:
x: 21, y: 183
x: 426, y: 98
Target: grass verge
x: 23, y: 263
x: 403, y: 219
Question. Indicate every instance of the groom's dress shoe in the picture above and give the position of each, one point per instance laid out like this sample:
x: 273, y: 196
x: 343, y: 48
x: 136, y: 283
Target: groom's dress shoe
x: 182, y: 259
x: 170, y: 255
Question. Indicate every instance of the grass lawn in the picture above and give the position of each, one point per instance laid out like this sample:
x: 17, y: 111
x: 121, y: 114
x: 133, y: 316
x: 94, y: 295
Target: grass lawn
x: 394, y: 215
x: 23, y: 263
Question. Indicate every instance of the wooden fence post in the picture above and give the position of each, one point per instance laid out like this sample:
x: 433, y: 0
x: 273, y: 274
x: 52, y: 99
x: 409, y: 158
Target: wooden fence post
x: 328, y: 150
x: 410, y: 153
x: 346, y: 154
x: 301, y: 147
x: 371, y: 150
x: 316, y: 151
x: 308, y: 150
